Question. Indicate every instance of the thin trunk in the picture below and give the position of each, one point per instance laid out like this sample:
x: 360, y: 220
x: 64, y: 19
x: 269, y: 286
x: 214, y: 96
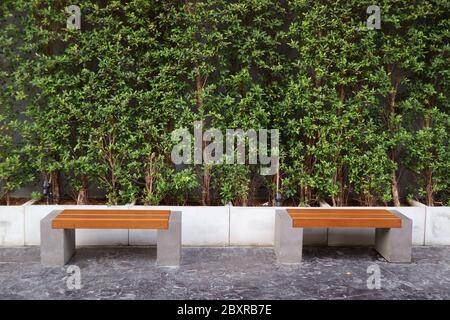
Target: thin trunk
x: 302, y: 195
x: 149, y: 183
x: 56, y: 188
x: 206, y: 192
x: 148, y: 187
x: 113, y: 186
x: 150, y: 173
x: 305, y: 195
x: 339, y: 178
x: 340, y: 174
x: 83, y: 196
x: 199, y: 89
x: 150, y: 176
x: 429, y: 187
x: 366, y: 198
x: 333, y: 201
x: 8, y: 198
x: 244, y: 201
x: 429, y: 172
x: 395, y: 81
x: 206, y: 195
x: 273, y: 193
x: 306, y: 192
x: 252, y: 192
x: 112, y: 166
x: 200, y: 83
x: 395, y: 193
x: 341, y: 199
x: 394, y: 183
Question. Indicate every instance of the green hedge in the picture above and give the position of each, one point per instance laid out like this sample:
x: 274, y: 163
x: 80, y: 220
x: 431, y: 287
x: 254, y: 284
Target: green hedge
x: 357, y: 109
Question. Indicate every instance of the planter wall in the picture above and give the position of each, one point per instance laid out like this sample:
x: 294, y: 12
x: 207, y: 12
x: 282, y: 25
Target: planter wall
x: 201, y: 226
x: 255, y: 226
x: 437, y: 226
x: 12, y: 226
x: 219, y: 226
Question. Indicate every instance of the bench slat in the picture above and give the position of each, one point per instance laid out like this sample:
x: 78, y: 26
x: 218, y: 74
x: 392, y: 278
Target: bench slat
x: 108, y: 211
x: 343, y: 218
x: 112, y: 219
x: 339, y: 211
x: 342, y: 215
x: 109, y: 216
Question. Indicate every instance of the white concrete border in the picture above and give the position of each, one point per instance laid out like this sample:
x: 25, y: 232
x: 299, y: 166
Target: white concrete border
x: 252, y: 226
x: 12, y: 226
x: 201, y: 226
x: 438, y: 226
x: 219, y: 226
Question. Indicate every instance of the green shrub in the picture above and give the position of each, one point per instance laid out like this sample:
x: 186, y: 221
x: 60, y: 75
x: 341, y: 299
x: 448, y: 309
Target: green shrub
x: 355, y: 108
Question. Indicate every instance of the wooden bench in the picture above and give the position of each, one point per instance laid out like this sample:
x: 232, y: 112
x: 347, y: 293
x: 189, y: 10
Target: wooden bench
x: 393, y: 235
x: 58, y: 231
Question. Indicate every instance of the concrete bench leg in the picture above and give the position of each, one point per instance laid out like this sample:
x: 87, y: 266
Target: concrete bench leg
x: 288, y: 240
x: 168, y: 251
x: 57, y: 245
x: 395, y: 244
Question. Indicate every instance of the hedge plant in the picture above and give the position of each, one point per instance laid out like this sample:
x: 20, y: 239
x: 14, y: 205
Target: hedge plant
x: 363, y: 114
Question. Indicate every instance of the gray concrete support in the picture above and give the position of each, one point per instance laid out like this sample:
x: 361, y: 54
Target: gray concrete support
x: 57, y: 245
x: 395, y: 244
x: 288, y: 240
x: 169, y: 242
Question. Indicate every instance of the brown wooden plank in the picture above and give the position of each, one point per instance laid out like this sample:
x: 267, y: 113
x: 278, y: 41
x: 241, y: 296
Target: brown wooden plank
x: 341, y: 216
x: 112, y: 216
x: 109, y: 218
x: 110, y: 224
x: 112, y: 219
x: 345, y: 218
x: 346, y: 223
x: 381, y: 214
x: 340, y: 213
x: 336, y: 210
x: 114, y: 211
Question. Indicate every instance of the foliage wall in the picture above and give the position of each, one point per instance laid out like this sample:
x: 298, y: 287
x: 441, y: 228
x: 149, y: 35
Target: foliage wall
x: 356, y: 108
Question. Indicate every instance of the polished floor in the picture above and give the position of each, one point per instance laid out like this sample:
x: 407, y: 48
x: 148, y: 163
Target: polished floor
x: 226, y: 273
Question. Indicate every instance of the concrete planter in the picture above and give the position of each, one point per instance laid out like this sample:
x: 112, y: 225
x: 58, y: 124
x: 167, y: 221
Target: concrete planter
x: 218, y: 226
x: 12, y: 225
x: 250, y: 226
x: 201, y: 226
x: 437, y: 226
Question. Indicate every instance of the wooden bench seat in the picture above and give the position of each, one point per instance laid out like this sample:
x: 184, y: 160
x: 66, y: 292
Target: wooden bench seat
x: 344, y: 218
x: 58, y: 231
x: 112, y: 219
x: 393, y: 234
